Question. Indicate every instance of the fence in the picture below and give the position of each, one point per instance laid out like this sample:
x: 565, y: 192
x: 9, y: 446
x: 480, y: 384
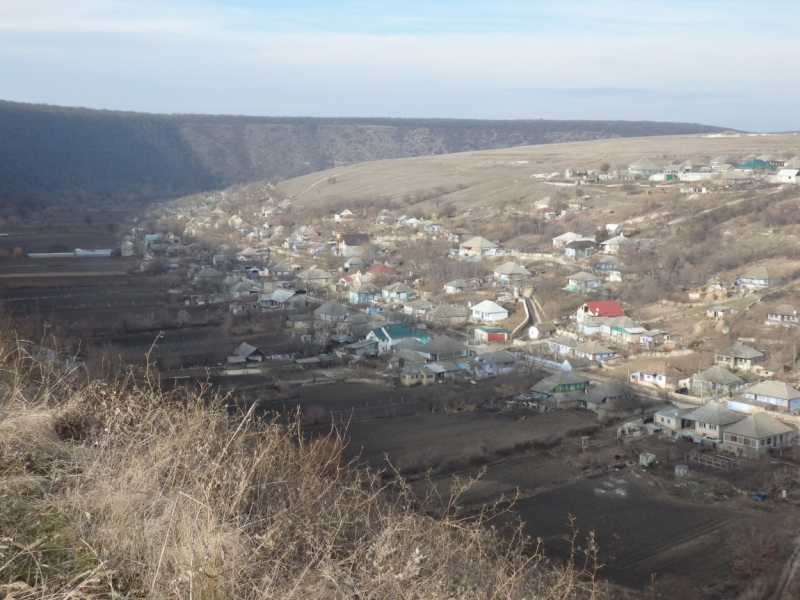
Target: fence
x: 711, y: 460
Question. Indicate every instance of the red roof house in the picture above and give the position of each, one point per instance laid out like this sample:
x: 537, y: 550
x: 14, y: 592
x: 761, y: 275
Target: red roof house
x: 600, y: 308
x: 381, y: 269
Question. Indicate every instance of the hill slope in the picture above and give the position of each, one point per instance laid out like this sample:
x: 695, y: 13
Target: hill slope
x: 52, y: 154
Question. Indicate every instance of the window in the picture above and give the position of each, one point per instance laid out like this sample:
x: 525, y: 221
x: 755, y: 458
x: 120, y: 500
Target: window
x: 733, y: 438
x: 712, y: 427
x: 769, y: 441
x: 746, y: 441
x: 781, y: 437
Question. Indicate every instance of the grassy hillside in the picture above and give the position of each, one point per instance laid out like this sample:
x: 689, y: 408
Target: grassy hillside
x: 52, y: 154
x: 117, y: 490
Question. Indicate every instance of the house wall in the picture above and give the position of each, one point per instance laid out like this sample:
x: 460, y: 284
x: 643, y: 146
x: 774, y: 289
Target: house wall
x: 753, y: 447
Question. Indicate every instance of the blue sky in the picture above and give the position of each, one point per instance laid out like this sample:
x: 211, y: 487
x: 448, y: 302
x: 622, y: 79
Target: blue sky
x: 725, y: 63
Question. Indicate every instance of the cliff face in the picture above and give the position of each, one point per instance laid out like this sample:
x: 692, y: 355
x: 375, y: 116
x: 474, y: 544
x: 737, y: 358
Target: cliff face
x: 54, y: 154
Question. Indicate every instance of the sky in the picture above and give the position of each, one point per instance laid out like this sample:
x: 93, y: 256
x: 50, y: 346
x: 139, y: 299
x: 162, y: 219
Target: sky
x: 718, y: 62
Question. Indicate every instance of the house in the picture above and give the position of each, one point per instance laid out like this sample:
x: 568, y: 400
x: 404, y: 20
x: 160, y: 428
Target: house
x: 332, y: 311
x: 582, y: 281
x: 739, y: 356
x: 710, y: 419
x: 315, y: 278
x: 576, y: 173
x: 208, y: 274
x: 443, y: 348
x: 672, y: 418
x: 365, y: 292
x: 756, y: 435
x: 488, y: 311
x: 345, y: 215
x: 784, y: 315
x: 757, y: 278
x: 281, y: 298
x: 494, y: 363
x: 362, y: 348
x: 477, y: 246
x: 418, y: 308
x: 565, y: 238
x: 563, y: 345
x: 599, y: 308
x: 384, y: 214
x: 491, y: 334
x: 397, y: 291
x: 565, y: 381
x: 388, y: 335
x: 541, y: 331
x: 718, y: 312
x: 713, y: 381
x: 381, y: 269
x: 417, y: 373
x: 510, y: 272
x: 604, y: 393
x: 617, y: 244
x: 644, y: 167
x: 349, y: 244
x: 593, y: 351
x: 454, y: 287
x: 245, y: 353
x: 448, y: 314
x: 354, y: 262
x: 543, y: 204
x: 659, y: 375
x: 777, y: 393
x: 580, y: 249
x: 789, y: 176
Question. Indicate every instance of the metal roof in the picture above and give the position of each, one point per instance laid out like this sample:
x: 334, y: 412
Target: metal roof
x: 759, y: 426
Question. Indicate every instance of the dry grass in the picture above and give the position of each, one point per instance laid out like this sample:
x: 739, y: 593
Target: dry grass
x: 118, y: 490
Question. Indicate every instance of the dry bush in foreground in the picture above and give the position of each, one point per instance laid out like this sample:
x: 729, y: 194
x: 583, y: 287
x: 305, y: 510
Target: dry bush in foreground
x: 119, y: 490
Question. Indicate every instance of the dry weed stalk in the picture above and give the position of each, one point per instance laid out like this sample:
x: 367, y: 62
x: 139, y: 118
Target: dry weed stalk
x: 172, y: 495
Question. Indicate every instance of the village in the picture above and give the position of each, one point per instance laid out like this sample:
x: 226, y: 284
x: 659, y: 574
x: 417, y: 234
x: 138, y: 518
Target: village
x: 601, y: 326
x: 374, y: 287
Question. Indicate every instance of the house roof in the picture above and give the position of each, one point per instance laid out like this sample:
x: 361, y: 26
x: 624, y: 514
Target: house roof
x: 740, y: 350
x: 613, y: 388
x: 718, y: 375
x: 478, y: 242
x: 580, y: 244
x: 207, y: 273
x: 644, y: 164
x: 569, y: 236
x: 583, y: 276
x: 488, y: 329
x: 714, y: 414
x: 783, y: 310
x: 313, y: 273
x: 661, y: 368
x: 380, y: 269
x: 244, y: 350
x: 774, y: 389
x: 564, y: 340
x: 456, y: 283
x: 397, y: 331
x: 511, y: 268
x: 398, y: 288
x: 488, y: 306
x: 756, y: 163
x: 548, y: 384
x: 593, y: 347
x: 619, y: 240
x: 367, y: 288
x: 759, y: 273
x: 604, y: 308
x: 332, y: 308
x: 759, y: 426
x: 444, y: 344
x: 280, y: 295
x: 673, y: 412
x: 498, y: 356
x: 409, y: 343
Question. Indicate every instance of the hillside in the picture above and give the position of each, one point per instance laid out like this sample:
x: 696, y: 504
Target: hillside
x: 491, y: 177
x: 51, y: 154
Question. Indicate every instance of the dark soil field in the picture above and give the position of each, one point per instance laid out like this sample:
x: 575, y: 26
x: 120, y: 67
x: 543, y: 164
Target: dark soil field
x: 452, y: 439
x: 640, y: 530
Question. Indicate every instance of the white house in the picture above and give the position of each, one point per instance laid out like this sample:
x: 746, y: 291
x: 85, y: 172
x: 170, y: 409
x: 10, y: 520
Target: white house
x: 788, y: 176
x: 488, y: 311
